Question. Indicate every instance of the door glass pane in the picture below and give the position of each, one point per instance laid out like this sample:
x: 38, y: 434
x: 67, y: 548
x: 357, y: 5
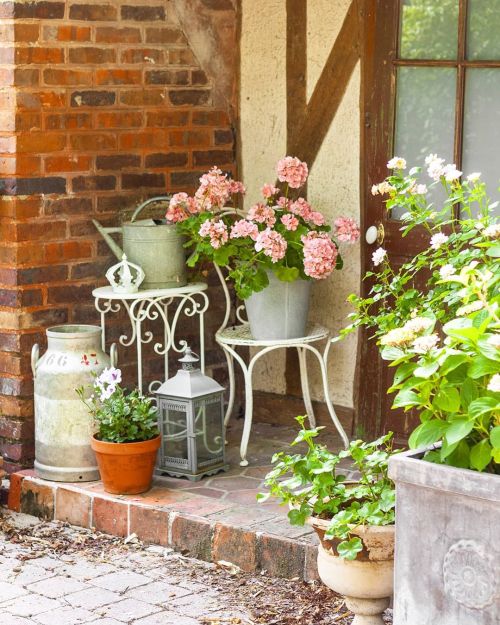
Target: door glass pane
x: 482, y: 127
x: 429, y: 29
x: 483, y: 30
x: 425, y: 116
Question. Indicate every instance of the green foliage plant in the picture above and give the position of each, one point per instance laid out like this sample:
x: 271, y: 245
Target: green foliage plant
x: 314, y: 485
x: 442, y: 338
x: 119, y: 417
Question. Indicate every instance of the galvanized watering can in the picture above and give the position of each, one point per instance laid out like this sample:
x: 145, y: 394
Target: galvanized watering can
x: 153, y: 244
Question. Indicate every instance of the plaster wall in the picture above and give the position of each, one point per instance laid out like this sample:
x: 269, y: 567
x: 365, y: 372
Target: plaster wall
x: 334, y: 179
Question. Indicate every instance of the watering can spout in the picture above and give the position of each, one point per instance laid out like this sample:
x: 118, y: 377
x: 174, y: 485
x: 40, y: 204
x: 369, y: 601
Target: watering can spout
x: 105, y: 233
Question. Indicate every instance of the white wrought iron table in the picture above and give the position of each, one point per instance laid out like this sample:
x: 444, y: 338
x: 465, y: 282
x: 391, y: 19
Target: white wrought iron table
x: 165, y: 304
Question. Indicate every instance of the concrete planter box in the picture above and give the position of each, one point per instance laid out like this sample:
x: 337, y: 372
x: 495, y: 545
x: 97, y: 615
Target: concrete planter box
x: 447, y: 558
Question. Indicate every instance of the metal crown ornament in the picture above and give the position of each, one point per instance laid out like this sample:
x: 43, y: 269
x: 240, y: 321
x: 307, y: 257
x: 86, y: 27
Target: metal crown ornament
x: 125, y: 277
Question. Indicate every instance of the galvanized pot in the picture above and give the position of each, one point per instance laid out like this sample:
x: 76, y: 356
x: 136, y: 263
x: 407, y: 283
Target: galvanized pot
x: 280, y: 311
x: 152, y: 244
x: 63, y: 425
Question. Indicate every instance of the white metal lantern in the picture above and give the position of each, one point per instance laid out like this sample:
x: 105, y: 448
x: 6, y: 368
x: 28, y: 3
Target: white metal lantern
x: 191, y: 421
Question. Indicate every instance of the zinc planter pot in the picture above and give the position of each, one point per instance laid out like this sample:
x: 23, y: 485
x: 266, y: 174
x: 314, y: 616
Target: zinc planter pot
x: 63, y: 425
x: 280, y: 311
x: 366, y: 582
x: 447, y: 566
x: 126, y: 468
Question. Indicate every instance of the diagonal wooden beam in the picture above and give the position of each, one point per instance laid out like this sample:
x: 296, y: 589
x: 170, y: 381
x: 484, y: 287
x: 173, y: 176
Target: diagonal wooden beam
x: 296, y: 66
x: 329, y: 90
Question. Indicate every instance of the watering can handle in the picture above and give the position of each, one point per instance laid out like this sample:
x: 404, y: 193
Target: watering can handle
x: 35, y: 355
x: 152, y: 200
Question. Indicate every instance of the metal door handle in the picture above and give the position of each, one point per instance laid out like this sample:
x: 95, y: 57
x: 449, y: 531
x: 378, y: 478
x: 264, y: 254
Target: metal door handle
x: 375, y: 234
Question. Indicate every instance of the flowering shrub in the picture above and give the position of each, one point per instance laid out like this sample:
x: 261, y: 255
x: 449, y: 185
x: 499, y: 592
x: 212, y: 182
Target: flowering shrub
x: 282, y: 232
x: 444, y: 340
x: 313, y: 485
x: 120, y: 418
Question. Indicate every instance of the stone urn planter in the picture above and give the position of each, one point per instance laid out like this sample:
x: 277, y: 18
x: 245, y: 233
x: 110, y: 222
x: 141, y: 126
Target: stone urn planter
x: 447, y: 563
x: 280, y: 311
x: 366, y: 582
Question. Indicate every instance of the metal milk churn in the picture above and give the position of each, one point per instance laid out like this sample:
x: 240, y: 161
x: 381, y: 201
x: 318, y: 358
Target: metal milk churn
x: 154, y: 245
x: 63, y: 425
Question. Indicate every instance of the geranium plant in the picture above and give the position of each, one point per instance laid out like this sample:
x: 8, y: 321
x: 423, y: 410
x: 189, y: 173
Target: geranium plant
x: 443, y: 339
x: 281, y: 233
x: 120, y: 417
x: 314, y: 485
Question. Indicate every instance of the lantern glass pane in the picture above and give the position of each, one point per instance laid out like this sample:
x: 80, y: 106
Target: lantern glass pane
x: 209, y: 429
x: 174, y: 433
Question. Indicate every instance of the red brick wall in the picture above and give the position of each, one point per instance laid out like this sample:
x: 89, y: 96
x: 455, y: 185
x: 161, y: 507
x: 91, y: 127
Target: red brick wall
x: 101, y: 105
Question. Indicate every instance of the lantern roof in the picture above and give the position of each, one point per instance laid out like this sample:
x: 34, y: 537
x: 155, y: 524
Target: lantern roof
x: 189, y: 385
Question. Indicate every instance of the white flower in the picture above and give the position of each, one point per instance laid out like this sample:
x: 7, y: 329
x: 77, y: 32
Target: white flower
x: 424, y: 344
x: 397, y: 337
x: 493, y: 231
x: 469, y: 308
x: 421, y: 189
x: 110, y: 375
x: 434, y: 166
x: 418, y: 324
x: 437, y: 240
x: 374, y: 189
x: 385, y: 187
x: 474, y: 177
x: 451, y: 173
x: 446, y: 271
x: 494, y: 384
x: 396, y: 163
x: 479, y: 226
x: 494, y: 340
x: 105, y: 393
x: 378, y: 256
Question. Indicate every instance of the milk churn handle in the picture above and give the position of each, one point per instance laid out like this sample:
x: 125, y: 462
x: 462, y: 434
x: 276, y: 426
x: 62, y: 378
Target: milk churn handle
x: 113, y: 355
x: 152, y: 200
x: 35, y: 355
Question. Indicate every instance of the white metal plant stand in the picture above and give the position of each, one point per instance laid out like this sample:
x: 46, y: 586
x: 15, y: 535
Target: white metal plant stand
x: 165, y: 304
x: 230, y: 337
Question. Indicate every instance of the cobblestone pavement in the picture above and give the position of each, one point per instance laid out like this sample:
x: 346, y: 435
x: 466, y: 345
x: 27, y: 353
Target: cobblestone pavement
x: 55, y: 574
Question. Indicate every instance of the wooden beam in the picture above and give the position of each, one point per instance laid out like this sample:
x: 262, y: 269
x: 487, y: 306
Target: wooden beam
x: 296, y: 67
x: 329, y: 90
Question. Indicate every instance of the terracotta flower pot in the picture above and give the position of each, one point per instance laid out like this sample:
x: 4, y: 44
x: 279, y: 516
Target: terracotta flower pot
x: 126, y: 468
x: 367, y: 581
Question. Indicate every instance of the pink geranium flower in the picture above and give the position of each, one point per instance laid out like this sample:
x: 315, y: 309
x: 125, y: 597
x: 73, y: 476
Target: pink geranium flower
x: 272, y: 243
x: 320, y: 255
x: 244, y: 228
x: 216, y: 230
x: 346, y: 230
x: 269, y: 191
x: 302, y: 208
x: 262, y: 214
x: 293, y: 171
x: 290, y: 221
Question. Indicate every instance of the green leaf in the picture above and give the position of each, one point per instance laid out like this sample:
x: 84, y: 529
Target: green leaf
x: 391, y: 353
x: 349, y: 549
x: 426, y: 370
x: 468, y: 392
x: 427, y: 433
x: 458, y: 429
x: 403, y: 371
x: 481, y: 366
x: 487, y: 349
x: 452, y: 362
x: 495, y: 437
x: 460, y: 457
x: 482, y: 405
x: 405, y: 398
x: 480, y: 455
x: 298, y: 516
x: 494, y: 251
x: 286, y: 274
x: 447, y: 399
x: 261, y: 497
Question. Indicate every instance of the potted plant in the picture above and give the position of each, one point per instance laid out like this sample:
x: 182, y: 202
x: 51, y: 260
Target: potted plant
x: 272, y: 253
x: 127, y: 439
x: 354, y: 520
x: 444, y: 344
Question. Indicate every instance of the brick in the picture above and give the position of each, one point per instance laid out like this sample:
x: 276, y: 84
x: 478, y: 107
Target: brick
x: 91, y: 55
x: 41, y: 142
x: 167, y: 119
x: 95, y: 269
x: 39, y: 275
x: 41, y: 10
x: 37, y: 499
x: 67, y: 33
x: 93, y: 183
x: 201, y: 137
x: 210, y: 118
x: 110, y: 517
x: 141, y: 97
x: 117, y: 161
x: 27, y: 33
x: 142, y: 55
x: 281, y: 557
x: 93, y: 98
x: 68, y: 121
x: 198, y: 77
x: 131, y: 181
x: 213, y: 157
x: 17, y: 298
x: 143, y: 13
x: 82, y: 228
x: 92, y: 12
x: 235, y: 545
x: 15, y: 429
x: 193, y: 97
x: 67, y: 77
x: 29, y: 231
x: 219, y: 5
x: 167, y: 77
x: 93, y: 142
x: 31, y: 186
x: 46, y: 317
x: 67, y: 250
x: 311, y: 563
x: 117, y: 35
x: 14, y: 500
x: 223, y: 137
x: 186, y: 178
x: 164, y: 35
x: 72, y: 507
x: 35, y: 55
x: 67, y: 163
x: 67, y: 293
x: 68, y: 206
x: 41, y: 100
x: 147, y: 140
x: 117, y: 77
x: 26, y: 77
x: 169, y: 159
x: 17, y: 452
x: 150, y: 525
x: 192, y: 536
x: 119, y: 120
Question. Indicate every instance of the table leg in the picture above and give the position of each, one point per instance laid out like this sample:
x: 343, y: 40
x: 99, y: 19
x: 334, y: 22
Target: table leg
x: 230, y: 369
x: 304, y: 381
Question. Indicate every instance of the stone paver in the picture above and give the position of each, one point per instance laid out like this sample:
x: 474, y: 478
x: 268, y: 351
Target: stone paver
x: 56, y: 586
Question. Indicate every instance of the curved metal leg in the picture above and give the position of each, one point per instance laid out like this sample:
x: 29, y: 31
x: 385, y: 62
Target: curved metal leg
x: 328, y: 402
x: 230, y: 368
x: 304, y: 381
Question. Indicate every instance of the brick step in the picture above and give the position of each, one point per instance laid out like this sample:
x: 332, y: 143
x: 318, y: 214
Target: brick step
x: 2, y: 472
x: 254, y: 537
